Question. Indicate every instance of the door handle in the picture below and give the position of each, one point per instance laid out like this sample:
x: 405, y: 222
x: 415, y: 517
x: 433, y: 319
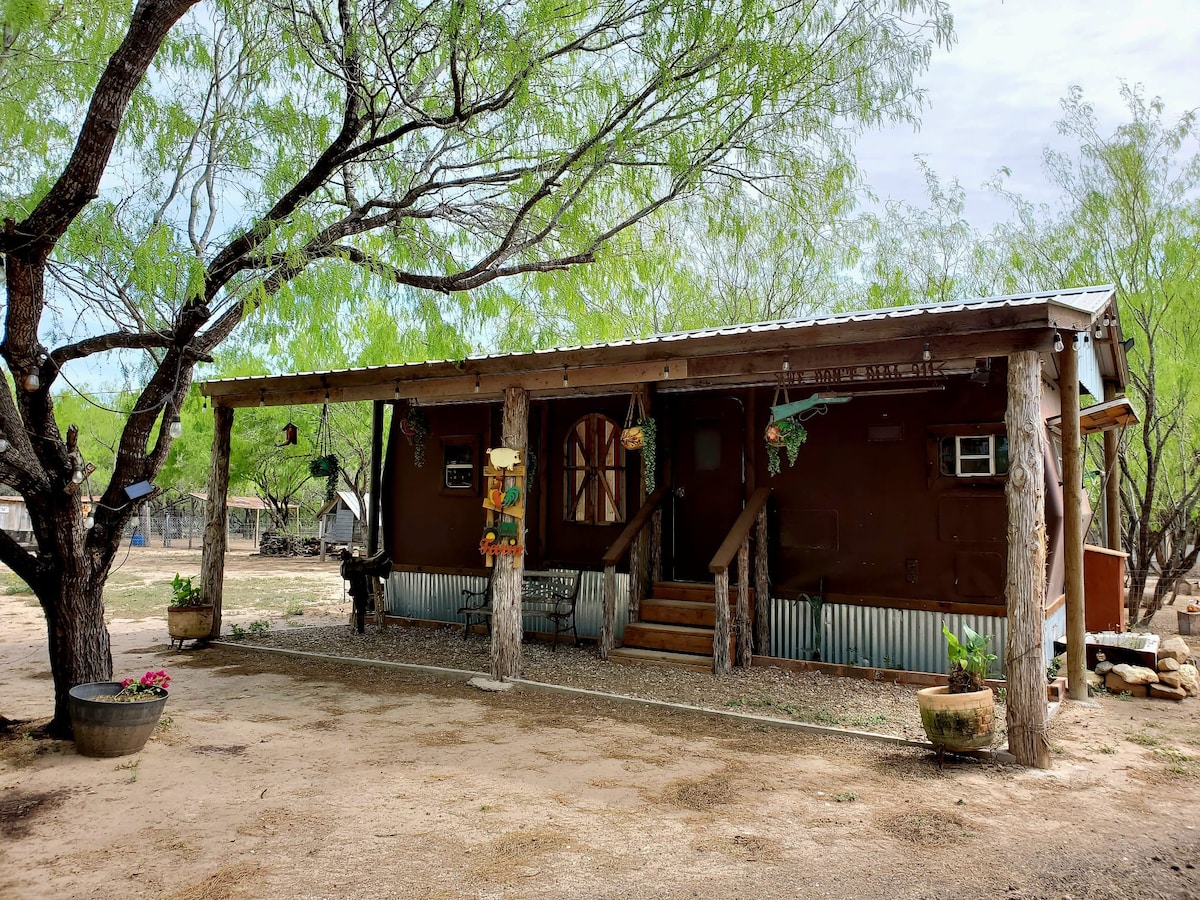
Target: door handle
x: 678, y: 492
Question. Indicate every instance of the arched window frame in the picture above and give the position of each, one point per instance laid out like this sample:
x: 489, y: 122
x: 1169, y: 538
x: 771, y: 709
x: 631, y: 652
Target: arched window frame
x: 594, y: 472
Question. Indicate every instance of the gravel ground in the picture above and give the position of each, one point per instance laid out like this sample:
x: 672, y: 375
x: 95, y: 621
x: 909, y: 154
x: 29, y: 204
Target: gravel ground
x: 762, y: 690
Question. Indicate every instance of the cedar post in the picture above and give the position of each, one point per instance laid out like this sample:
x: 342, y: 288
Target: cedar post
x: 762, y: 587
x: 656, y: 545
x: 372, y: 510
x: 212, y: 565
x: 1025, y: 584
x: 1112, y: 480
x: 721, y: 663
x: 510, y: 570
x: 639, y: 565
x: 1068, y: 367
x: 608, y: 627
x: 745, y: 648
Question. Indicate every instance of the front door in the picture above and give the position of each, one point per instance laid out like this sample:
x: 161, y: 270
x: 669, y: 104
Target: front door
x: 707, y: 474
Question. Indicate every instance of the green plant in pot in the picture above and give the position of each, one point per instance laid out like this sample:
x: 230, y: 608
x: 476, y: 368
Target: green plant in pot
x: 783, y: 436
x: 961, y: 714
x: 189, y: 617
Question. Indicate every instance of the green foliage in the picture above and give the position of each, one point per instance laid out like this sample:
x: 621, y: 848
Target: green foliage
x: 182, y: 592
x: 784, y: 436
x: 968, y: 655
x: 649, y: 453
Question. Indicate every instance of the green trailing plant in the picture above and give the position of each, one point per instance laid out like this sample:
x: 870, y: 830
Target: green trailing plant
x: 323, y: 466
x: 783, y: 435
x: 415, y: 427
x: 649, y: 452
x: 183, y: 593
x: 969, y: 659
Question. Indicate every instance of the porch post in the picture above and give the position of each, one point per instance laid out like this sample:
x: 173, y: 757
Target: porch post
x: 1025, y: 583
x: 1068, y: 367
x: 608, y: 625
x: 745, y: 640
x: 721, y: 663
x: 506, y: 588
x: 762, y: 587
x: 212, y: 565
x: 373, y: 485
x: 1112, y: 480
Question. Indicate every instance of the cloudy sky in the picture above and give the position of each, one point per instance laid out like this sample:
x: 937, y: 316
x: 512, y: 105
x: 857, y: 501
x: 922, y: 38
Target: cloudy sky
x: 993, y: 99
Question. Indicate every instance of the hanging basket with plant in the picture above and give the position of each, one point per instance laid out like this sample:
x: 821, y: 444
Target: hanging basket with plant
x: 641, y: 433
x: 783, y: 436
x: 415, y: 427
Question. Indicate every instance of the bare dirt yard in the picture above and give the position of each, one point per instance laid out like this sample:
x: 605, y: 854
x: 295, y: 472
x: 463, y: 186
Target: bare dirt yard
x: 275, y: 776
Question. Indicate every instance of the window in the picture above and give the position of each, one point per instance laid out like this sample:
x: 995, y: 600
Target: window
x: 460, y: 457
x: 974, y: 456
x: 594, y: 472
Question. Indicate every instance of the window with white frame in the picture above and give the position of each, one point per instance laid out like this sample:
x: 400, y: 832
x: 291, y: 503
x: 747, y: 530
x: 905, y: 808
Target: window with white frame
x: 975, y: 455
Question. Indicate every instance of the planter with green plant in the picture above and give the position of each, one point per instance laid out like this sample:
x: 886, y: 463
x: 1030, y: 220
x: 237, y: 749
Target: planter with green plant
x: 783, y: 436
x: 189, y: 617
x: 961, y: 715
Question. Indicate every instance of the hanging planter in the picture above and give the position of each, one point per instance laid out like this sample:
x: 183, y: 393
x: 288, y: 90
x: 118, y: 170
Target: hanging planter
x: 415, y: 427
x: 784, y: 436
x: 641, y: 434
x: 323, y: 466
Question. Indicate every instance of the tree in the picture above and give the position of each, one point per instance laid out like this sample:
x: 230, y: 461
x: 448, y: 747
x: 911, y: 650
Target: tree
x: 287, y: 154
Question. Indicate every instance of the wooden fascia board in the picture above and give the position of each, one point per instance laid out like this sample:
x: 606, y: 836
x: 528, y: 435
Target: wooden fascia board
x: 746, y: 353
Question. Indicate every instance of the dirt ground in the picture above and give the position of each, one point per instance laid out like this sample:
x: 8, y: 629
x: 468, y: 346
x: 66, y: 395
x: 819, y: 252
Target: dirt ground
x: 277, y: 777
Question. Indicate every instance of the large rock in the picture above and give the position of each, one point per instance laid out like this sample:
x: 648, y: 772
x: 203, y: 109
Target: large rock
x: 1168, y: 664
x: 1189, y: 679
x: 1135, y: 674
x: 1170, y: 679
x: 1163, y: 692
x: 1103, y: 667
x: 1115, y: 684
x: 1175, y: 648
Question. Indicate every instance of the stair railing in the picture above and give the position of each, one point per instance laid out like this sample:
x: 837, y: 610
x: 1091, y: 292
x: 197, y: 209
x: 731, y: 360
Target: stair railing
x: 737, y: 543
x: 645, y: 563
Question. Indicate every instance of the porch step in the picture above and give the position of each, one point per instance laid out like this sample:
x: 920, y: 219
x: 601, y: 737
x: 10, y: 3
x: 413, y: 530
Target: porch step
x: 676, y: 638
x: 642, y: 656
x: 692, y: 590
x: 695, y: 613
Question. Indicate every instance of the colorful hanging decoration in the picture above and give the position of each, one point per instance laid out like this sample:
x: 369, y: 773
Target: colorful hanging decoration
x: 415, y: 427
x: 504, y: 502
x: 641, y: 433
x: 291, y: 435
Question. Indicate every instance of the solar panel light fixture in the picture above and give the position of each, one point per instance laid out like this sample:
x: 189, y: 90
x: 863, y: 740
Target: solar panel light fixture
x: 138, y: 490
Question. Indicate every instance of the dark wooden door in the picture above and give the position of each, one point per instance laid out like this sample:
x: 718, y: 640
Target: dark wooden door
x: 707, y: 474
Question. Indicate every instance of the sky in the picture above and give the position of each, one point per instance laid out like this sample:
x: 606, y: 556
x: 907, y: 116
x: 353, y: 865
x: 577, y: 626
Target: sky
x: 993, y: 98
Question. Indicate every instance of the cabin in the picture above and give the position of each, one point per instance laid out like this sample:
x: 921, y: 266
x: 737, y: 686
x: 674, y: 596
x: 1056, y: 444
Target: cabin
x: 341, y: 521
x: 938, y: 480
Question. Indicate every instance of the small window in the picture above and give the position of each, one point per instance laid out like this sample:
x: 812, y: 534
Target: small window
x: 974, y: 456
x: 458, y: 466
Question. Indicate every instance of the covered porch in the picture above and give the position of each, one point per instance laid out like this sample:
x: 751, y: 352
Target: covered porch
x: 929, y: 489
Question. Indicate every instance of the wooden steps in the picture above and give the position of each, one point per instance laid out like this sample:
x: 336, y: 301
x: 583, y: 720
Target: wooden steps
x: 676, y: 627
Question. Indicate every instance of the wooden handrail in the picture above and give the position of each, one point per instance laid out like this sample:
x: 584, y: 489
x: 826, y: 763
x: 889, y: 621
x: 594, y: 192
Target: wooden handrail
x: 625, y: 539
x: 739, y: 532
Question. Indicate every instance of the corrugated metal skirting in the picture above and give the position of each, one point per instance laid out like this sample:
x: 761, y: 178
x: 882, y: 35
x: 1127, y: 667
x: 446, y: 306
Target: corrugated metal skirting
x: 437, y: 598
x: 876, y: 636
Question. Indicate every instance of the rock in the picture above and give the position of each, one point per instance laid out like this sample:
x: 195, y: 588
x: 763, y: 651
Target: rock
x: 486, y: 684
x: 1164, y: 692
x: 1103, y: 668
x: 1095, y: 680
x: 1115, y: 684
x: 1174, y: 648
x: 1168, y: 664
x: 1184, y: 588
x: 1170, y: 679
x: 1135, y: 674
x: 1189, y: 679
x: 1060, y: 662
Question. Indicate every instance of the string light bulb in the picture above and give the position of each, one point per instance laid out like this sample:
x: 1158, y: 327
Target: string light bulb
x: 77, y: 476
x: 566, y: 381
x: 33, y: 380
x: 1058, y: 343
x: 926, y: 353
x: 477, y: 384
x: 89, y: 523
x: 4, y: 444
x: 175, y: 429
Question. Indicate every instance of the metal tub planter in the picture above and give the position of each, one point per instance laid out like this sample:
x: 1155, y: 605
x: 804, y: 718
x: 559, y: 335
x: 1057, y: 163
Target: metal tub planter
x: 107, y: 728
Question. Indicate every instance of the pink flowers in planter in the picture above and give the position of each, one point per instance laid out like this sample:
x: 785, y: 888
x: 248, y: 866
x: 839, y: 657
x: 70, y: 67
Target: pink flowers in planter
x: 143, y: 688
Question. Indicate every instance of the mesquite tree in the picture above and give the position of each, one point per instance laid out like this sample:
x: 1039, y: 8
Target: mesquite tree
x: 183, y: 169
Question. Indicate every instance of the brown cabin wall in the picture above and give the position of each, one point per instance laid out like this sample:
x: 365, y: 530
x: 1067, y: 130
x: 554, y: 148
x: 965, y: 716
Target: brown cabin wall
x: 873, y: 517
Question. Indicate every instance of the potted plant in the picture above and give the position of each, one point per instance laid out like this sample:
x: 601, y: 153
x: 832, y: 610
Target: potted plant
x: 783, y: 436
x: 116, y: 718
x: 415, y: 427
x: 960, y: 715
x: 644, y: 437
x: 188, y: 616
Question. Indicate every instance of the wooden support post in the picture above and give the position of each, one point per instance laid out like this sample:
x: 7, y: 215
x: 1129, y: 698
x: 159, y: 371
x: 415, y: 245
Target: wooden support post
x: 656, y: 546
x: 745, y: 640
x: 721, y: 662
x: 216, y: 538
x: 639, y: 569
x: 1112, y: 480
x: 1072, y: 462
x: 762, y: 587
x: 510, y: 570
x: 608, y: 628
x: 376, y: 476
x: 1025, y: 584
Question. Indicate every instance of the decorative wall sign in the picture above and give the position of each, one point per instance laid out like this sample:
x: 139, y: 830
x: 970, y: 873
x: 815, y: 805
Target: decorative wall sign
x: 503, y: 499
x: 873, y: 372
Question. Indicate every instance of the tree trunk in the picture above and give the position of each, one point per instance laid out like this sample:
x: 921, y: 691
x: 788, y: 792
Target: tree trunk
x: 745, y: 639
x: 212, y: 566
x: 1025, y: 586
x: 721, y: 663
x: 762, y: 587
x: 1068, y: 363
x: 510, y: 570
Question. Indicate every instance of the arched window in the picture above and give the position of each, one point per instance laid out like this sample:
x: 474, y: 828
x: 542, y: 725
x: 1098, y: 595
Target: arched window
x: 594, y: 472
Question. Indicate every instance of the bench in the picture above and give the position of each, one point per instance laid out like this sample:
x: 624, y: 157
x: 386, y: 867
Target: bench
x: 547, y: 595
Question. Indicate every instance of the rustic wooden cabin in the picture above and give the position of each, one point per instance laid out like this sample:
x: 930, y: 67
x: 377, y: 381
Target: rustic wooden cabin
x: 893, y: 520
